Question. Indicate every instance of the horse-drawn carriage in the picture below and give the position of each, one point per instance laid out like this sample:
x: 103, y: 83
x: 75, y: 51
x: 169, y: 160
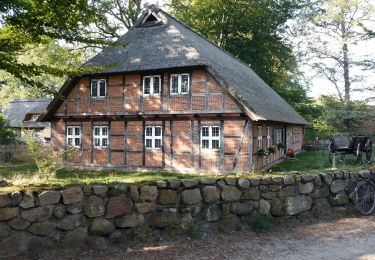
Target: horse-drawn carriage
x: 359, y: 146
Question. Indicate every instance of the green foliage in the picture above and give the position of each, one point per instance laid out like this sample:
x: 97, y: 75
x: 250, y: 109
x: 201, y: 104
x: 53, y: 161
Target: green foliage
x: 7, y: 135
x: 194, y: 231
x: 335, y: 116
x: 50, y: 54
x: 264, y: 223
x: 45, y: 158
x: 29, y: 23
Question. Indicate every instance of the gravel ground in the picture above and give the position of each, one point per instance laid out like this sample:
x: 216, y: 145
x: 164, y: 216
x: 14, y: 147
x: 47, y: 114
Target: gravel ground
x: 345, y: 238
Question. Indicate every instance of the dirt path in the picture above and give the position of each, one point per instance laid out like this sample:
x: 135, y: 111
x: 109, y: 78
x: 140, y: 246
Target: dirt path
x: 347, y: 238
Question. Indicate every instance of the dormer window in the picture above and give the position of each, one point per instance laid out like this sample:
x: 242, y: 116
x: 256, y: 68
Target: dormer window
x: 151, y: 85
x: 180, y: 83
x: 98, y: 88
x: 34, y: 117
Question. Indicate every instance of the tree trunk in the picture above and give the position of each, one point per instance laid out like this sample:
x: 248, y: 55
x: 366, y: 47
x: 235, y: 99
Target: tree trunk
x: 346, y: 72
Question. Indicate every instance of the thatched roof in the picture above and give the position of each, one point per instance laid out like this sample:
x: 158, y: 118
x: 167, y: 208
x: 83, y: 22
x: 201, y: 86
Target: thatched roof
x: 159, y: 41
x: 18, y: 109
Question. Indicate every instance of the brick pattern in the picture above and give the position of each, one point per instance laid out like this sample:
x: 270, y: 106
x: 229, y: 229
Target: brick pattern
x: 125, y: 96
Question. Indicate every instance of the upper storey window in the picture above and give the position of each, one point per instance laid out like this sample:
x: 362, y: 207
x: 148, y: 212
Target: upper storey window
x: 151, y: 85
x: 180, y: 83
x: 98, y: 88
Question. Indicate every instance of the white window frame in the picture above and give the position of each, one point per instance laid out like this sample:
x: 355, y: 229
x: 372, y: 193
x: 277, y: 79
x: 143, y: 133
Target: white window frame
x: 179, y: 84
x: 74, y: 136
x: 210, y: 138
x: 268, y: 136
x: 153, y: 137
x: 97, y: 94
x: 260, y: 137
x: 152, y: 90
x: 101, y: 137
x: 279, y: 135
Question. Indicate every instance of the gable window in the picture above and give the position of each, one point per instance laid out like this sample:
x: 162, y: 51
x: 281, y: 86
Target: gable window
x: 153, y: 135
x: 151, y: 85
x: 100, y: 136
x: 73, y: 136
x: 180, y: 83
x: 260, y: 138
x: 98, y: 88
x: 268, y: 136
x: 210, y: 137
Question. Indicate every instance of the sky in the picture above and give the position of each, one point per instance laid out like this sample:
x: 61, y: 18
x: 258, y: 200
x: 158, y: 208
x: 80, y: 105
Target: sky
x: 320, y: 86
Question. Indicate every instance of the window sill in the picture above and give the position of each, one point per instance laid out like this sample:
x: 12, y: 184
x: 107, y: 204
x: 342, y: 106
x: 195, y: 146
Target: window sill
x: 179, y: 95
x: 98, y: 97
x: 152, y: 95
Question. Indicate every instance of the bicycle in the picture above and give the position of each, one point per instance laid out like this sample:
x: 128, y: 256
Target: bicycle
x: 364, y: 195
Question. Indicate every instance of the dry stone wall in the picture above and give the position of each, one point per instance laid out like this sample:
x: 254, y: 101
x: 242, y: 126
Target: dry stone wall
x: 100, y: 215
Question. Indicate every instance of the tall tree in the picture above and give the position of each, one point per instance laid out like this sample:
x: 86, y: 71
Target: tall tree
x: 330, y: 30
x: 26, y: 23
x: 120, y: 15
x: 52, y: 55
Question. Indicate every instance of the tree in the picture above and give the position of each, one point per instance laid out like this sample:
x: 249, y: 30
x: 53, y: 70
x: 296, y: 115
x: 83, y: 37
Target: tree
x: 50, y: 54
x: 7, y: 136
x: 120, y: 15
x: 333, y: 116
x: 26, y: 23
x: 253, y: 31
x: 329, y: 31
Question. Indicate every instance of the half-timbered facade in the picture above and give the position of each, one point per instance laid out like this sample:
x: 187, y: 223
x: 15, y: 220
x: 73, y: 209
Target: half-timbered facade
x: 173, y: 101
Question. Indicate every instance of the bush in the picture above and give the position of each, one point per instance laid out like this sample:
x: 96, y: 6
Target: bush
x: 264, y: 223
x: 195, y: 232
x: 47, y: 161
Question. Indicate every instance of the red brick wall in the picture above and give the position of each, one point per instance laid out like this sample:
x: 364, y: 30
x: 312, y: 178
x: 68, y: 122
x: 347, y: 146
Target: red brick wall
x: 124, y: 96
x: 184, y: 154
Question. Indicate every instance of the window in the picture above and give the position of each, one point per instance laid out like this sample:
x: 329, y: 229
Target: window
x: 279, y: 136
x: 100, y: 136
x: 180, y: 83
x: 153, y: 137
x: 98, y: 88
x: 34, y: 117
x: 73, y: 136
x: 268, y: 136
x: 210, y: 137
x: 151, y: 85
x: 260, y: 138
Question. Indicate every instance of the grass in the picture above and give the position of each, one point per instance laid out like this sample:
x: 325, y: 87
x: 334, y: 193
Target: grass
x: 26, y: 174
x: 316, y: 161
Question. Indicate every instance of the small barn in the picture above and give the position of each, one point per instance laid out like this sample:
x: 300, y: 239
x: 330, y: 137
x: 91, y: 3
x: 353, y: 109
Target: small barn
x: 171, y: 100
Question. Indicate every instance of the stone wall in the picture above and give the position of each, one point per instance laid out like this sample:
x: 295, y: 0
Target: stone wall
x: 100, y: 215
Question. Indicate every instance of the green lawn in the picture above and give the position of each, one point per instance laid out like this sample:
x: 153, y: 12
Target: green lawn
x: 316, y: 161
x: 22, y: 175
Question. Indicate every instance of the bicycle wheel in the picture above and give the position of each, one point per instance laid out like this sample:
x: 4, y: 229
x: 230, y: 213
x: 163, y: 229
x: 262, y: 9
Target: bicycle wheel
x: 365, y: 197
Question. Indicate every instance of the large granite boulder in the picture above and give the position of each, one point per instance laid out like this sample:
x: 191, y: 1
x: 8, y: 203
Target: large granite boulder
x: 210, y: 194
x: 93, y: 206
x: 298, y: 204
x: 191, y: 197
x: 49, y: 197
x: 230, y: 193
x: 118, y: 206
x: 72, y: 195
x: 101, y: 226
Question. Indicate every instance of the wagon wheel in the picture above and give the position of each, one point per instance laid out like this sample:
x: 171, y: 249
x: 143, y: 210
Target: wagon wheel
x: 368, y: 149
x: 359, y: 154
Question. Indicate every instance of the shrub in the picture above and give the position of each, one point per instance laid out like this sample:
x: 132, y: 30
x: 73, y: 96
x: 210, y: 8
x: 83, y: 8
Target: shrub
x: 264, y: 223
x: 195, y: 232
x: 47, y: 161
